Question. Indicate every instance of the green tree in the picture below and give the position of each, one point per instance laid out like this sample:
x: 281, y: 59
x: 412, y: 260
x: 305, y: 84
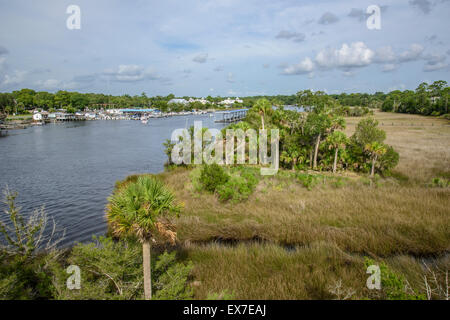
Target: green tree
x: 367, y: 131
x: 317, y: 125
x: 263, y: 107
x: 62, y: 99
x: 375, y: 150
x: 337, y: 140
x: 142, y: 208
x: 25, y: 97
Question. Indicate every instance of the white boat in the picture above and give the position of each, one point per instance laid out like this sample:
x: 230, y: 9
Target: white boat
x: 144, y: 121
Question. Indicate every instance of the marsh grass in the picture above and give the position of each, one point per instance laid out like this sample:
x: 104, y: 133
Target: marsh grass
x: 304, y: 235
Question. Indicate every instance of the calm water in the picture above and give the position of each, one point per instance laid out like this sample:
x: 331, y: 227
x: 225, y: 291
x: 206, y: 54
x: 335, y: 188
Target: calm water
x: 71, y: 167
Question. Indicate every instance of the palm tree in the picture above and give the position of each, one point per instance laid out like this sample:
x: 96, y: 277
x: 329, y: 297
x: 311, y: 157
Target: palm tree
x: 375, y: 150
x: 141, y: 208
x: 337, y: 140
x: 263, y: 107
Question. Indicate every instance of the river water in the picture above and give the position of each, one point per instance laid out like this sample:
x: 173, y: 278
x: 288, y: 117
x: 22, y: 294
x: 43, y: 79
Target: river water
x: 72, y: 167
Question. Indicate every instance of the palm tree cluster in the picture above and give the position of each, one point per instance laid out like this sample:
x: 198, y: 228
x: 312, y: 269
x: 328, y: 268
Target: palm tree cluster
x: 314, y: 138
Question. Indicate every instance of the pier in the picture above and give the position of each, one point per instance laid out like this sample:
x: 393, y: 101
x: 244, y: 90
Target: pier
x: 231, y: 115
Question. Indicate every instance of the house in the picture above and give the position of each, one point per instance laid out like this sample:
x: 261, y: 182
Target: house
x: 231, y: 101
x: 202, y: 100
x: 40, y: 116
x: 182, y: 101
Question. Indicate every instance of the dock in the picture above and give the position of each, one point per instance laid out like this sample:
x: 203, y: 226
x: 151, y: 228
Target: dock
x: 231, y: 115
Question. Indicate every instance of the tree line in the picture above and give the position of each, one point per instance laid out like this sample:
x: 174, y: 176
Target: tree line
x: 315, y: 139
x: 427, y: 99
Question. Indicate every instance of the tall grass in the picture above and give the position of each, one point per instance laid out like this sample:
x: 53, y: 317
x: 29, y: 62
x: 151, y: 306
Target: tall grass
x: 314, y: 230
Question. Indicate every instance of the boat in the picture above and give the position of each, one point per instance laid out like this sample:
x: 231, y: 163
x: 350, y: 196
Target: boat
x: 144, y: 121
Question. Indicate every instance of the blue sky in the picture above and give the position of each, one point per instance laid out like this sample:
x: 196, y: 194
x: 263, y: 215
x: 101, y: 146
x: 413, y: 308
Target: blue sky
x: 223, y: 47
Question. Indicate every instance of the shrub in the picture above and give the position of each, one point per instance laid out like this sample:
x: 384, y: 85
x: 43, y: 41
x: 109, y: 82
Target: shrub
x: 393, y: 285
x: 213, y: 176
x: 113, y: 270
x: 440, y: 183
x: 26, y: 253
x: 388, y: 160
x: 308, y: 180
x: 236, y: 189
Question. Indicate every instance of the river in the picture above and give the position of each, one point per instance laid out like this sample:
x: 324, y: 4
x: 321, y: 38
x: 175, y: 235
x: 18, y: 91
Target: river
x: 71, y: 167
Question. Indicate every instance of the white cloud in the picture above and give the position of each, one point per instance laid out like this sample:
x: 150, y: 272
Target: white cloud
x: 384, y: 54
x: 49, y: 84
x: 414, y: 53
x: 389, y: 67
x: 348, y: 56
x: 131, y: 73
x: 13, y: 79
x: 305, y: 66
x: 434, y: 62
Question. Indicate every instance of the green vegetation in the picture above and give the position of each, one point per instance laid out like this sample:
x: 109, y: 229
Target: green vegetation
x: 315, y: 140
x: 394, y: 286
x: 32, y: 267
x: 427, y: 99
x: 212, y: 176
x: 142, y: 208
x: 113, y: 270
x: 351, y: 192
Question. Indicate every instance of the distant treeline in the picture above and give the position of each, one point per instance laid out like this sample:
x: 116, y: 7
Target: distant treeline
x: 426, y: 99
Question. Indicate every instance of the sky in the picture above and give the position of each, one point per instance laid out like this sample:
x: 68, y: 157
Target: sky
x: 222, y: 47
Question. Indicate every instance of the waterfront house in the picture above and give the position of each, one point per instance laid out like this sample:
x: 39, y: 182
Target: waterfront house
x: 40, y: 116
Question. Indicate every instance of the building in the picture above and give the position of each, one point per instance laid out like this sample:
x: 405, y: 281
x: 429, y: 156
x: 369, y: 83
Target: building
x: 182, y: 101
x: 231, y: 101
x: 202, y: 100
x: 40, y: 116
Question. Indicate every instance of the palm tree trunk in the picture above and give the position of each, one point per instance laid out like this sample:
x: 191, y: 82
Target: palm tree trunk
x: 310, y: 157
x: 316, y: 151
x: 372, y: 172
x: 335, y: 160
x: 262, y: 121
x: 146, y: 251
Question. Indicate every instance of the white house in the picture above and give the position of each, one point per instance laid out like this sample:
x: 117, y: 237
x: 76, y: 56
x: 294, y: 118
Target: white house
x: 40, y: 116
x: 182, y: 101
x: 202, y: 100
x: 231, y: 101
